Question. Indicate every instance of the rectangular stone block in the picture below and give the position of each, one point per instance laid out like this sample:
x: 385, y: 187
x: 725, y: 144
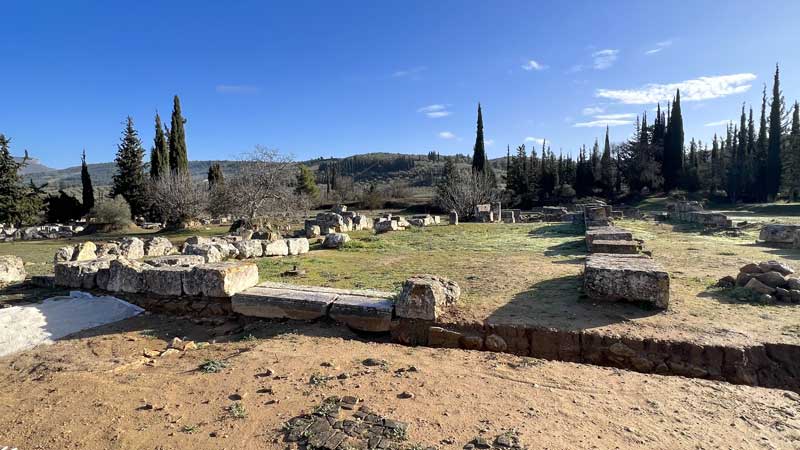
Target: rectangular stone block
x: 608, y: 234
x: 297, y: 246
x: 165, y: 281
x: 176, y: 260
x: 363, y: 313
x: 615, y: 247
x: 282, y: 303
x: 626, y: 277
x: 222, y: 279
x: 276, y: 248
x: 79, y: 274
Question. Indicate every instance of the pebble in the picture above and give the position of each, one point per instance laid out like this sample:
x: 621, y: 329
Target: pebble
x: 405, y: 394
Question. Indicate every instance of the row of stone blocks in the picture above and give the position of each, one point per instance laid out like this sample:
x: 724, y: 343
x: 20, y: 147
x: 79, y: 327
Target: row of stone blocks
x: 611, y: 239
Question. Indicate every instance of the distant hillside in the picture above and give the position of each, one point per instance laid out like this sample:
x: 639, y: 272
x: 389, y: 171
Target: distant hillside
x: 32, y: 165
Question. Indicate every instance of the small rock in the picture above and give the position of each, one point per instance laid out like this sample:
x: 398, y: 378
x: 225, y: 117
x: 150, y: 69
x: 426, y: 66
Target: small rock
x: 405, y: 395
x: 374, y: 362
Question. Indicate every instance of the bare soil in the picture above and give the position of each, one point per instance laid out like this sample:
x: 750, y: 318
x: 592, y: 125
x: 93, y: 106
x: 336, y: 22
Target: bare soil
x: 97, y: 390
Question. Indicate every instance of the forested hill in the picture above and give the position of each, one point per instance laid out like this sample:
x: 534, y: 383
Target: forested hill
x: 421, y: 169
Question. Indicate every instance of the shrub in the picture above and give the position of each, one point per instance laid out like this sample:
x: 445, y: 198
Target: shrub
x: 114, y: 212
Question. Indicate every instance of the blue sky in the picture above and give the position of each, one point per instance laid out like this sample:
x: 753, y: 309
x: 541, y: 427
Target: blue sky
x: 327, y: 78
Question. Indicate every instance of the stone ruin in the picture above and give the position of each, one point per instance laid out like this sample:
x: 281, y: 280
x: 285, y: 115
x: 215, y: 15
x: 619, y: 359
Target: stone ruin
x: 780, y: 235
x: 339, y: 220
x: 634, y: 278
x: 484, y: 213
x: 693, y: 212
x: 9, y: 233
x: 769, y: 280
x: 12, y: 270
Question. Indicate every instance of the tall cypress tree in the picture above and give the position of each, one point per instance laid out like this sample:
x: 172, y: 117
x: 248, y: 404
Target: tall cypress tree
x: 87, y: 192
x: 129, y: 179
x: 774, y: 146
x: 12, y: 192
x: 178, y: 156
x: 479, y: 160
x: 760, y: 157
x: 673, y: 146
x: 607, y: 169
x: 159, y: 154
x: 215, y: 176
x: 791, y: 158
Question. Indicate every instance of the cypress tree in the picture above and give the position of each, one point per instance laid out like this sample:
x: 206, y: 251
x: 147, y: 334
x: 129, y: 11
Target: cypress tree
x: 479, y: 159
x: 606, y: 169
x: 791, y: 153
x: 774, y: 145
x: 87, y: 193
x: 215, y: 176
x: 159, y: 154
x: 178, y: 156
x: 129, y: 180
x: 673, y: 146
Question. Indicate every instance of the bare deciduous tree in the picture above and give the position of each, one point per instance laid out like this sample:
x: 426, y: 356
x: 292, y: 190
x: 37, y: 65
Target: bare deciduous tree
x: 178, y: 199
x: 462, y: 190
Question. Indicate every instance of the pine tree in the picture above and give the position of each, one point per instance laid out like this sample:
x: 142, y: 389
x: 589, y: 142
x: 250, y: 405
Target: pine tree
x: 129, y: 180
x: 606, y: 169
x: 86, y: 183
x: 19, y: 205
x: 215, y: 176
x: 178, y: 156
x: 306, y: 183
x: 673, y: 146
x: 774, y: 145
x: 791, y: 159
x: 159, y: 154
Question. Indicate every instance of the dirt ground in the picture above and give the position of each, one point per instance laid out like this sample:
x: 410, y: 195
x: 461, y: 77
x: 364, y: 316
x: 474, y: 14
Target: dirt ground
x: 96, y: 390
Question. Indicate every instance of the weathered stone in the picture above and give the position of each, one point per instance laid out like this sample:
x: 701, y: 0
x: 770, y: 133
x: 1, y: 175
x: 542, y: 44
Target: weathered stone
x: 312, y: 229
x: 607, y: 234
x: 615, y: 247
x: 775, y: 266
x: 742, y: 278
x: 210, y: 253
x: 751, y: 268
x: 165, y: 281
x: 297, y: 246
x: 453, y: 218
x: 197, y: 240
x: 442, y: 337
x: 63, y: 254
x: 778, y: 233
x: 85, y: 251
x: 282, y: 303
x: 726, y: 282
x: 757, y: 286
x: 783, y: 295
x: 249, y: 248
x: 426, y: 296
x: 108, y: 249
x: 363, y: 313
x: 131, y: 248
x: 772, y: 279
x: 126, y: 276
x: 222, y: 279
x: 626, y: 277
x: 495, y: 343
x: 176, y: 260
x: 384, y: 226
x: 158, y: 246
x: 44, y: 281
x: 361, y: 222
x: 793, y: 284
x: 12, y: 269
x: 79, y: 274
x: 335, y: 240
x: 471, y: 342
x: 276, y: 248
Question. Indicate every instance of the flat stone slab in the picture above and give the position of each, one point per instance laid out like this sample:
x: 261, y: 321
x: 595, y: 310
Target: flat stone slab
x: 778, y: 233
x: 615, y: 247
x: 281, y: 303
x: 222, y: 279
x: 626, y: 277
x: 330, y: 290
x: 363, y: 313
x: 608, y: 234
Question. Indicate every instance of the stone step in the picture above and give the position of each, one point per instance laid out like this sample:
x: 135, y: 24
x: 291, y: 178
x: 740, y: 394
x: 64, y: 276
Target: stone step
x: 626, y: 277
x: 615, y: 247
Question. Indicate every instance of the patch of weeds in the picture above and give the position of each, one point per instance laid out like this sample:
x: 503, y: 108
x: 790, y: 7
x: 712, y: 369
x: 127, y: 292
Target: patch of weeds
x: 318, y: 379
x: 741, y: 294
x: 189, y: 429
x: 328, y: 407
x: 237, y: 411
x: 247, y: 338
x: 354, y: 245
x: 213, y: 366
x: 148, y: 333
x: 398, y: 434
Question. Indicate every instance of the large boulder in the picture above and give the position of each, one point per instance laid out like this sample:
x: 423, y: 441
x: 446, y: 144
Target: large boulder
x: 626, y: 277
x: 158, y: 246
x: 63, y: 254
x: 778, y: 233
x: 361, y: 222
x: 384, y: 226
x: 775, y: 266
x: 80, y: 274
x: 210, y: 253
x: 276, y: 248
x: 312, y: 229
x: 249, y: 248
x: 222, y: 279
x: 131, y: 248
x: 126, y: 275
x: 297, y: 246
x: 335, y: 240
x: 757, y: 286
x: 772, y: 279
x: 12, y: 269
x: 85, y: 251
x: 426, y: 296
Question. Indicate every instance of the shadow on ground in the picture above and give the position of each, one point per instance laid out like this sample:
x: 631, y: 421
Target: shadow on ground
x: 560, y: 303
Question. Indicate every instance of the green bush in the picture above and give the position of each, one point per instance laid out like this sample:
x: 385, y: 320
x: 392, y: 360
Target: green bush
x: 114, y: 212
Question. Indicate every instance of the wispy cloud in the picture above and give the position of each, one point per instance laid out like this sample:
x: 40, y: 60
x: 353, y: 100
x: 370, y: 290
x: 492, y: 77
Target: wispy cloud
x: 412, y: 73
x: 603, y: 123
x: 533, y: 65
x: 603, y: 59
x: 435, y: 111
x: 488, y: 142
x: 702, y: 88
x: 592, y: 110
x: 446, y: 135
x: 535, y: 140
x: 615, y: 116
x: 658, y: 47
x: 718, y: 123
x: 237, y: 89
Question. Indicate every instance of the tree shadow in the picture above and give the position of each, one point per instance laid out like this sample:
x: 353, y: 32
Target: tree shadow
x: 786, y: 251
x: 557, y: 230
x: 569, y: 248
x: 560, y: 303
x: 26, y: 293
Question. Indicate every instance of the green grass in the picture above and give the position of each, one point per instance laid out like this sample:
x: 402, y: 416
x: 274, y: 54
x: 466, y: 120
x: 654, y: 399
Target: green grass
x: 212, y: 366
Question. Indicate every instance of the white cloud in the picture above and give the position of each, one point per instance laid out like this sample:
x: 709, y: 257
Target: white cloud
x: 702, y: 88
x: 533, y: 65
x: 488, y: 142
x: 603, y: 59
x: 659, y: 46
x: 615, y: 116
x: 237, y: 89
x: 592, y: 110
x: 412, y: 73
x: 446, y: 135
x: 535, y: 140
x: 435, y: 111
x: 718, y: 123
x: 603, y: 123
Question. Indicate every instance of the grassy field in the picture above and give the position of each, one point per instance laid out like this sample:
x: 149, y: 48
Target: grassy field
x: 531, y: 274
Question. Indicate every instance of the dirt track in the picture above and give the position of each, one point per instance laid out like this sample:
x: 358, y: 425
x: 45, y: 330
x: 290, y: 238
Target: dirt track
x: 97, y: 391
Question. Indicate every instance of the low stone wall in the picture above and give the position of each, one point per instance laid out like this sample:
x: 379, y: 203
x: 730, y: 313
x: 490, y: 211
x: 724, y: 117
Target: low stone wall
x: 780, y: 234
x: 39, y: 232
x: 693, y: 212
